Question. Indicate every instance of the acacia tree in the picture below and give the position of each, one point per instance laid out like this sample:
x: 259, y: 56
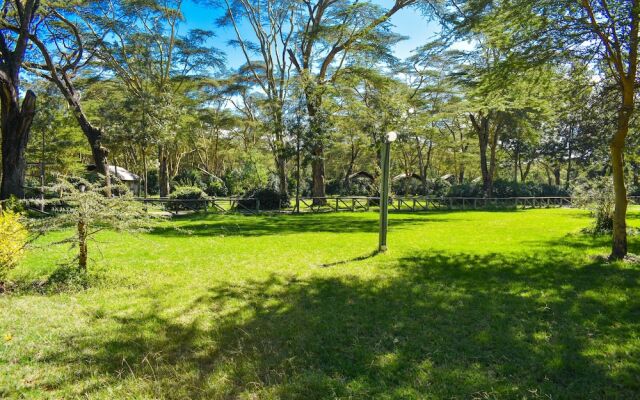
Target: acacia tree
x: 328, y: 32
x: 15, y: 117
x: 440, y: 116
x: 140, y: 42
x: 273, y: 25
x: 617, y: 25
x: 498, y: 95
x: 90, y: 212
x: 606, y: 31
x: 61, y: 55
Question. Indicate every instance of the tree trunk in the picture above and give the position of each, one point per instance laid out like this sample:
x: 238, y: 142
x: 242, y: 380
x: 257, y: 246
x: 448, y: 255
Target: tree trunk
x: 569, y: 161
x: 525, y: 173
x: 492, y: 159
x: 145, y: 172
x: 82, y: 245
x: 619, y: 245
x: 100, y: 153
x: 317, y: 163
x: 281, y: 164
x: 556, y: 175
x: 317, y: 174
x: 163, y: 172
x: 516, y: 163
x: 427, y: 166
x: 93, y: 134
x: 16, y: 127
x: 482, y: 131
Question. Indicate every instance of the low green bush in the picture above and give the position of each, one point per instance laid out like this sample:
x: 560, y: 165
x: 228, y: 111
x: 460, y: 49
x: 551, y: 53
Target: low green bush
x: 216, y: 187
x: 268, y: 198
x: 504, y: 188
x: 194, y: 198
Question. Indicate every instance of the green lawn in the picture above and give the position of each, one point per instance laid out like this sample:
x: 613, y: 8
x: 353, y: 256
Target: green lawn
x: 465, y: 305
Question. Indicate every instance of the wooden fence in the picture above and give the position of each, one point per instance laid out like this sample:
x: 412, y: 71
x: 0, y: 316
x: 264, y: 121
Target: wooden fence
x: 353, y: 203
x: 346, y: 203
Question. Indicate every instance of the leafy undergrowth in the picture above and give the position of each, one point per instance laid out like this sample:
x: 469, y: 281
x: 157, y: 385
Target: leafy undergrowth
x: 465, y: 305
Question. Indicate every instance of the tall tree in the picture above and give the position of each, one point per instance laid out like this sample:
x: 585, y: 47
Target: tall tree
x: 61, y: 56
x: 273, y: 25
x: 15, y: 117
x: 140, y: 42
x: 329, y: 32
x: 606, y: 31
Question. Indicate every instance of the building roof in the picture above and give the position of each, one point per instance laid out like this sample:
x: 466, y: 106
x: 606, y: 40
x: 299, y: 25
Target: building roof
x: 123, y: 174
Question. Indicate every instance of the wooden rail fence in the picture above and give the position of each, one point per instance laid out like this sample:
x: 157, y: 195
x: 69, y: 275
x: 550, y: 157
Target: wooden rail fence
x: 346, y: 203
x: 354, y: 203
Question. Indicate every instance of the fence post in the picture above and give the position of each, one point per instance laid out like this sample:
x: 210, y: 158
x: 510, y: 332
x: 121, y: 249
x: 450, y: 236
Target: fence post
x: 257, y: 205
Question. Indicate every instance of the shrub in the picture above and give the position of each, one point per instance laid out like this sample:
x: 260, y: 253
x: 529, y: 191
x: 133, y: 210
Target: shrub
x: 269, y: 198
x: 188, y: 193
x: 12, y: 240
x: 119, y: 188
x: 12, y: 204
x: 359, y: 186
x: 216, y: 187
x: 503, y: 188
x: 597, y: 195
x: 189, y: 178
x: 466, y: 190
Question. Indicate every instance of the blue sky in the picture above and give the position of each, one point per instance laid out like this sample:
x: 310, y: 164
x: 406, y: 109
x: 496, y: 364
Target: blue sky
x: 407, y: 22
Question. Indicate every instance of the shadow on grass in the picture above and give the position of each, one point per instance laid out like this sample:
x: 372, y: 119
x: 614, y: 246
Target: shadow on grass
x: 583, y: 241
x: 444, y: 326
x: 354, y: 259
x: 262, y: 225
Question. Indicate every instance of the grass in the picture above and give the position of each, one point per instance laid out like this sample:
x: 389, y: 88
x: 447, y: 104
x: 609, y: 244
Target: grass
x: 465, y: 305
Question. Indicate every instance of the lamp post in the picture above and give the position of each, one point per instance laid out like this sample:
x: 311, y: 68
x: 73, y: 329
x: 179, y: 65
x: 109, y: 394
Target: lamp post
x: 384, y: 190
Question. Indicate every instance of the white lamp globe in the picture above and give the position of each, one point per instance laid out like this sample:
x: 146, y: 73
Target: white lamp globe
x: 392, y: 136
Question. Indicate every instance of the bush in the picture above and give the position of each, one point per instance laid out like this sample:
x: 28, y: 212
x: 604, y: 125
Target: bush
x: 597, y: 195
x: 269, y: 199
x: 119, y: 188
x: 153, y: 182
x: 189, y: 178
x: 211, y: 185
x: 504, y: 188
x: 216, y: 187
x: 12, y: 204
x: 12, y: 240
x: 359, y: 186
x: 188, y: 193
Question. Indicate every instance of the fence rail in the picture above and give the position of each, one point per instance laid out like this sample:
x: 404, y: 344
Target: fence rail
x: 343, y: 203
x: 355, y: 203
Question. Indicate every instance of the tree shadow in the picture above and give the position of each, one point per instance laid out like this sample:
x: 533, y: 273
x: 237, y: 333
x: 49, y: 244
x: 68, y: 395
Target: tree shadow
x: 264, y: 225
x: 584, y: 241
x: 442, y: 325
x: 354, y: 259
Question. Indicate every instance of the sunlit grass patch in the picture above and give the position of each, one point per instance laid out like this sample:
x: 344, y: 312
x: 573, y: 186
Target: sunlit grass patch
x: 465, y: 304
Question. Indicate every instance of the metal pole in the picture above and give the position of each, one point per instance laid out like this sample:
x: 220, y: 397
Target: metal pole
x: 384, y: 196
